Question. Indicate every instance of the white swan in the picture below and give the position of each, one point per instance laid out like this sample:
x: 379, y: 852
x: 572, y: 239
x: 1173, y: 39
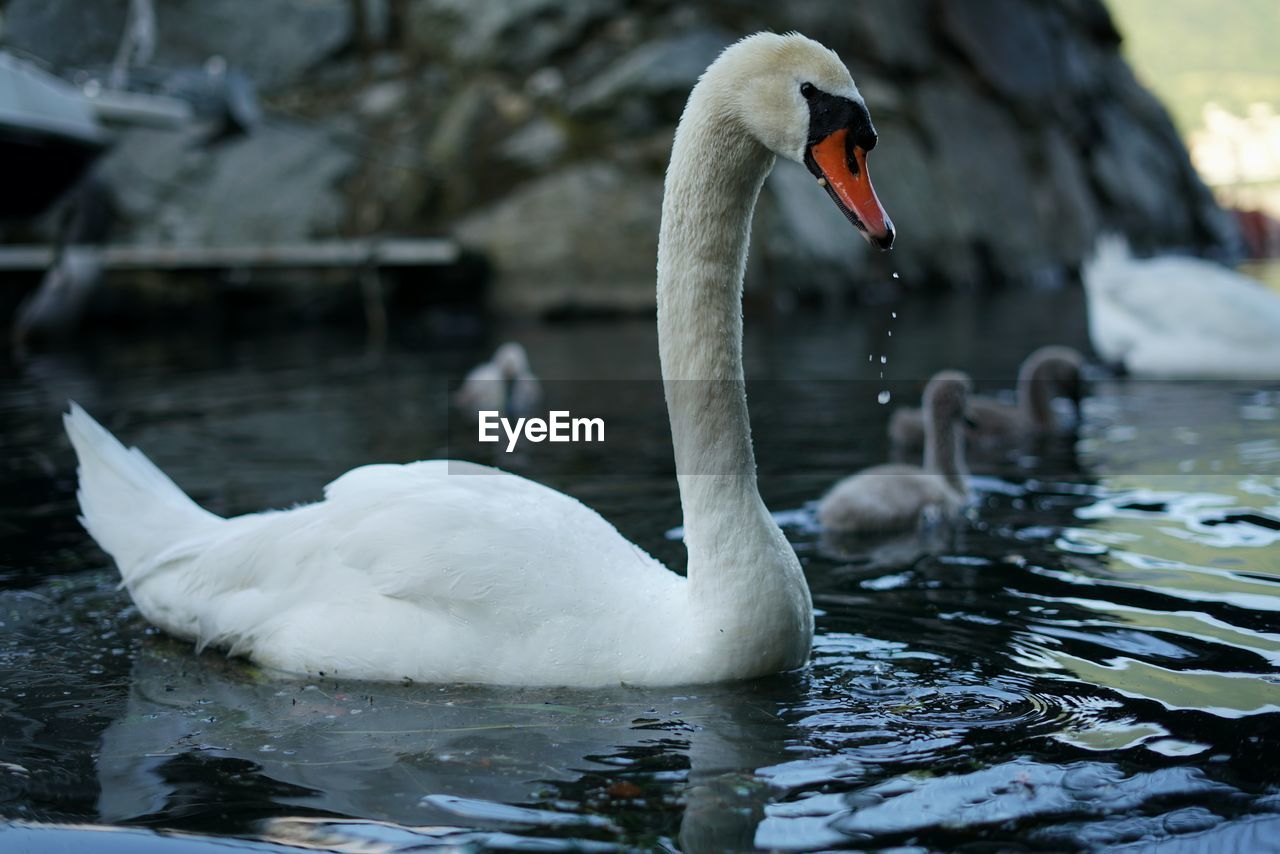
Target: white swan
x: 445, y: 571
x: 504, y: 383
x: 1047, y: 373
x: 890, y: 498
x: 1180, y: 317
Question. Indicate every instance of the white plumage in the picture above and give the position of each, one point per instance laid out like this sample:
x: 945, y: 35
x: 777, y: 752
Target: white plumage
x: 1180, y: 317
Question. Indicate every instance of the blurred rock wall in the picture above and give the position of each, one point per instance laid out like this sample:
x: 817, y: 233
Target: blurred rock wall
x: 537, y: 131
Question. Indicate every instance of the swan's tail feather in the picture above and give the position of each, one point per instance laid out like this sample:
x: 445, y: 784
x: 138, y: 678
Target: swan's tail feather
x: 129, y: 506
x: 1106, y: 266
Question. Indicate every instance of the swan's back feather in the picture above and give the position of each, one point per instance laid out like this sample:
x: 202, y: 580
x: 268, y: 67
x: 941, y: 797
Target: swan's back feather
x: 1180, y: 316
x: 128, y: 505
x: 437, y: 571
x: 468, y: 534
x: 1192, y: 297
x: 885, y: 499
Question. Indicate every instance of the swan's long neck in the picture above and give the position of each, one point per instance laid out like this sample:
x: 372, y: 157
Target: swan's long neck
x: 1035, y: 396
x: 712, y: 184
x: 944, y: 448
x: 736, y: 551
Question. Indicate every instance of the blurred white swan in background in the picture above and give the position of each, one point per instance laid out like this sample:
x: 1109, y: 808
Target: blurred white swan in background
x: 443, y: 571
x: 895, y: 497
x: 1180, y: 317
x: 1047, y: 374
x: 505, y: 383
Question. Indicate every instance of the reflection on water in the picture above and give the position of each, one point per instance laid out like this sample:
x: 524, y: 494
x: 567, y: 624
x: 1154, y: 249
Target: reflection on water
x: 1089, y: 660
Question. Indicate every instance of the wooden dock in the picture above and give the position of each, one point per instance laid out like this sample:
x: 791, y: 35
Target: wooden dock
x: 361, y: 253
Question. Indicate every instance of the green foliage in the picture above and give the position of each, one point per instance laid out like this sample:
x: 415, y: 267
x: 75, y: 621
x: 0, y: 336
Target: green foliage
x: 1192, y: 52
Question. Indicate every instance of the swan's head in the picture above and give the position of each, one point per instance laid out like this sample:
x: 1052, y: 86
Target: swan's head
x: 511, y: 359
x: 1110, y: 265
x: 946, y: 398
x: 798, y: 100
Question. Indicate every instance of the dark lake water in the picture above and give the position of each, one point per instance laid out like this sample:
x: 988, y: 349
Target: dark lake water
x: 1090, y: 661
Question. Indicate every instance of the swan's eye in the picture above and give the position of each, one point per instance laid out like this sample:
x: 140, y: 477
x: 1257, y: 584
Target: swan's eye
x: 808, y: 90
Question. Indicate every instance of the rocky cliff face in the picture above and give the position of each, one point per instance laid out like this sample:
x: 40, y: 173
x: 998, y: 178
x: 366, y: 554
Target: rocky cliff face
x: 537, y: 131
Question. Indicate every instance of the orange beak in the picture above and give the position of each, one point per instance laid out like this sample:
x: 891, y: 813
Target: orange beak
x: 843, y: 169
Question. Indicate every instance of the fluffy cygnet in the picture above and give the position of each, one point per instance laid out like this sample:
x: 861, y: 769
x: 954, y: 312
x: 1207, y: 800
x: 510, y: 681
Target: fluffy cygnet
x: 505, y: 383
x: 894, y: 497
x: 1048, y: 373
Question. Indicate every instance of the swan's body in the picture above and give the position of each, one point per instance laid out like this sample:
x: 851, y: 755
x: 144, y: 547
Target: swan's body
x: 887, y: 499
x: 388, y: 578
x: 1180, y: 317
x: 505, y: 383
x: 1046, y: 374
x: 891, y: 498
x: 448, y: 571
